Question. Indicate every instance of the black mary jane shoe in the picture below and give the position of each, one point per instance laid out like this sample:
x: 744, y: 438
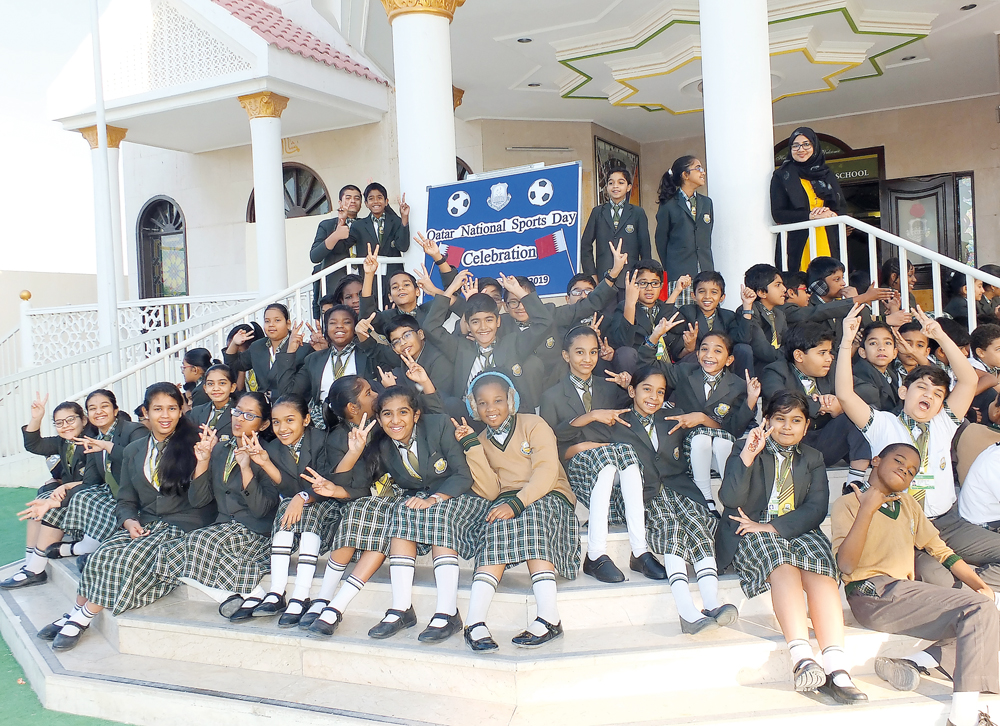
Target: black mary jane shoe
x: 452, y: 625
x: 404, y: 619
x: 842, y: 694
x: 29, y: 579
x: 321, y: 628
x: 50, y: 631
x: 724, y: 614
x: 245, y: 611
x: 81, y: 561
x: 698, y: 626
x: 290, y: 620
x: 269, y: 609
x: 808, y: 676
x: 527, y: 639
x: 54, y: 550
x: 603, y: 569
x: 648, y: 566
x: 229, y: 606
x: 64, y: 642
x: 309, y: 616
x: 483, y: 645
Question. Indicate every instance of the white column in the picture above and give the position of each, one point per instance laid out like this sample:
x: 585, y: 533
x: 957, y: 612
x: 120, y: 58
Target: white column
x: 115, y: 136
x: 425, y: 116
x: 264, y: 110
x: 739, y: 137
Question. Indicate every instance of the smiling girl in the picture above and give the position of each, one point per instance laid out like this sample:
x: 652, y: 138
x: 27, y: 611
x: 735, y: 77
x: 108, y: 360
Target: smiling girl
x: 270, y: 362
x: 219, y: 386
x: 196, y: 363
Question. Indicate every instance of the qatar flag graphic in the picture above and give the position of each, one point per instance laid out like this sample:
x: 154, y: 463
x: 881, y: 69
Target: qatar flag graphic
x: 551, y: 244
x: 453, y: 254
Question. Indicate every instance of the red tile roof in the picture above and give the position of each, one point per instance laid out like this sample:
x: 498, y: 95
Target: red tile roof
x: 268, y: 22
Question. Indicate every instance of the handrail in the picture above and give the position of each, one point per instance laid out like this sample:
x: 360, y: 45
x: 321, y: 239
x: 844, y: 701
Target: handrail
x: 937, y: 259
x: 144, y: 302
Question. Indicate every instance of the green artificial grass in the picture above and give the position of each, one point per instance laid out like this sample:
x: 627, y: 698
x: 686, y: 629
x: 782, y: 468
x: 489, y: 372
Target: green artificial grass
x: 20, y: 704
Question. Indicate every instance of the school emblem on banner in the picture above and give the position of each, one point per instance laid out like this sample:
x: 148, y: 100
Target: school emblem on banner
x: 630, y: 228
x: 722, y: 409
x: 550, y: 342
x: 440, y: 466
x: 707, y: 218
x: 526, y: 448
x: 515, y: 369
x: 499, y: 198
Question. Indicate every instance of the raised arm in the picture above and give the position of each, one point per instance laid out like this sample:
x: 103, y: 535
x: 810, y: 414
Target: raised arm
x: 854, y: 406
x: 966, y: 378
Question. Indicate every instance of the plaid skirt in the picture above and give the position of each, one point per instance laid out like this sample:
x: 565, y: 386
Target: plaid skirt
x: 455, y: 523
x: 226, y: 555
x: 583, y: 468
x: 319, y: 518
x: 364, y: 524
x: 121, y: 573
x: 676, y: 525
x: 90, y: 511
x: 760, y: 553
x: 546, y: 530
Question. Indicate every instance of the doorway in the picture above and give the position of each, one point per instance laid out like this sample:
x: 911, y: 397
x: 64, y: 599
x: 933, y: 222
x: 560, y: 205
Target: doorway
x: 163, y: 268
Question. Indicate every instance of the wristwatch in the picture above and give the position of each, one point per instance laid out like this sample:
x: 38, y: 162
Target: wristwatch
x: 442, y: 261
x: 305, y: 496
x: 437, y: 496
x: 608, y: 276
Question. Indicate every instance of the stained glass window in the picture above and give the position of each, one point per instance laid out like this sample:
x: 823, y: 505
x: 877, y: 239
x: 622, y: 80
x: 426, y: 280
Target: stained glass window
x: 162, y: 250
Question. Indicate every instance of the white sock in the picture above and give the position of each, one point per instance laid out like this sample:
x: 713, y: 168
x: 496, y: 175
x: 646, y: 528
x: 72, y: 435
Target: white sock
x: 721, y: 449
x: 446, y: 580
x: 600, y: 506
x: 630, y: 480
x: 964, y: 708
x: 331, y: 578
x: 351, y: 587
x: 707, y: 572
x: 79, y: 619
x: 484, y: 587
x: 309, y: 546
x: 701, y: 464
x: 834, y: 659
x: 257, y: 593
x: 923, y: 658
x: 216, y: 593
x: 678, y: 579
x: 281, y: 555
x: 36, y: 561
x: 401, y: 570
x: 543, y: 586
x: 85, y: 546
x: 799, y: 650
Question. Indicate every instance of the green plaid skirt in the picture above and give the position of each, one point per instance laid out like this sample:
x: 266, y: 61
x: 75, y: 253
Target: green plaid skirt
x: 676, y: 525
x: 583, y: 468
x: 121, y: 574
x: 760, y: 553
x: 364, y: 524
x: 321, y: 518
x: 455, y: 523
x: 547, y: 529
x: 226, y: 555
x: 91, y: 510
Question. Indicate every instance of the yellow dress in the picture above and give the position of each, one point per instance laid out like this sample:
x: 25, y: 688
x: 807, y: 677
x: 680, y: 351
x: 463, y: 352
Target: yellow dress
x: 822, y: 243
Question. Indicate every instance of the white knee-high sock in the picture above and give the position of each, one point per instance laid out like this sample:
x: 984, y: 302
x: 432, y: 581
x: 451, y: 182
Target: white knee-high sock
x: 721, y: 449
x: 309, y: 545
x: 834, y: 659
x: 799, y: 650
x: 331, y: 578
x: 401, y: 570
x: 543, y: 587
x: 701, y: 463
x: 678, y: 579
x: 446, y: 580
x: 484, y: 587
x: 964, y: 708
x: 79, y: 620
x: 600, y: 506
x: 351, y: 587
x: 281, y: 555
x: 707, y: 572
x: 630, y: 480
x: 36, y: 561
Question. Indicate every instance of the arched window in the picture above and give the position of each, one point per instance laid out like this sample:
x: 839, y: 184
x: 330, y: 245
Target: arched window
x: 163, y: 269
x: 305, y: 193
x: 462, y: 169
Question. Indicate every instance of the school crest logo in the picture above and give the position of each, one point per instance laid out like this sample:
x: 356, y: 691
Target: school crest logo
x: 707, y: 218
x: 440, y: 466
x: 515, y: 369
x: 224, y: 438
x: 677, y: 453
x: 943, y: 464
x: 722, y: 409
x: 499, y: 198
x: 526, y: 448
x: 550, y: 342
x: 630, y: 228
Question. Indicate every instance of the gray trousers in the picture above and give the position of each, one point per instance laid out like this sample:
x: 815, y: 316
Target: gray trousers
x: 964, y: 625
x: 976, y: 545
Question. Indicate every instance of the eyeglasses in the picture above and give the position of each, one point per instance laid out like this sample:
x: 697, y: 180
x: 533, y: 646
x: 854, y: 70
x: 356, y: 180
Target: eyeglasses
x: 580, y: 292
x: 697, y: 168
x: 802, y: 146
x: 647, y: 284
x: 408, y: 337
x: 250, y: 417
x: 514, y: 304
x: 63, y: 422
x: 185, y: 366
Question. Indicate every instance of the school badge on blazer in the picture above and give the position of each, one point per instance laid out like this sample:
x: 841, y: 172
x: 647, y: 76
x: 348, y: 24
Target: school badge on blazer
x: 707, y: 218
x: 943, y: 463
x: 526, y: 448
x: 677, y: 453
x: 630, y: 228
x: 722, y: 409
x: 550, y: 342
x: 440, y: 466
x: 224, y: 438
x: 516, y: 369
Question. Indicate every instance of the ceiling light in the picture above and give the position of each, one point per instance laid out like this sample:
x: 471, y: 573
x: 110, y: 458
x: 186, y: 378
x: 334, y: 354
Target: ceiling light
x: 909, y: 57
x: 534, y: 85
x: 968, y: 7
x: 528, y: 40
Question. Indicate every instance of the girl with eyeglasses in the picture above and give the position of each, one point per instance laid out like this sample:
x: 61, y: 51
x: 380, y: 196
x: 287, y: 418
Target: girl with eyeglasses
x: 219, y: 385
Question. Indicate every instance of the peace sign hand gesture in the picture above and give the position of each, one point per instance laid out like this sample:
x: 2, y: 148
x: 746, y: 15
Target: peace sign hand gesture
x: 430, y: 247
x: 753, y: 391
x: 320, y: 484
x: 620, y: 258
x: 748, y: 526
x: 416, y: 373
x: 610, y: 416
x: 404, y: 210
x: 370, y: 264
x: 755, y: 444
x: 256, y: 452
x: 462, y: 429
x: 295, y: 340
x: 357, y: 439
x: 207, y: 441
x: 316, y: 338
x: 38, y: 407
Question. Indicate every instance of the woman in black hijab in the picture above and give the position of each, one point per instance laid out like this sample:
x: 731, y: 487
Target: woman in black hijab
x: 804, y: 188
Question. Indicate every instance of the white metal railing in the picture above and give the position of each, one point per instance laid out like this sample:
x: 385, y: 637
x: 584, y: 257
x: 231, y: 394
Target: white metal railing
x: 903, y: 247
x: 10, y: 352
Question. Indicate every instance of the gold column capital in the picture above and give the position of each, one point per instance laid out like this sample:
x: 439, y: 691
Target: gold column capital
x: 263, y: 104
x: 445, y: 8
x: 456, y: 97
x: 115, y: 136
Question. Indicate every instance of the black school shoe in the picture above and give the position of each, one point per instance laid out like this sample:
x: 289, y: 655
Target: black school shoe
x: 64, y: 642
x: 808, y: 676
x: 24, y: 578
x: 290, y: 620
x: 698, y: 626
x: 81, y: 561
x: 842, y: 694
x: 724, y: 614
x: 50, y: 631
x: 453, y: 624
x: 404, y: 619
x: 321, y: 628
x: 527, y: 639
x: 648, y: 565
x: 901, y: 674
x: 53, y: 551
x: 269, y: 609
x: 603, y: 569
x: 308, y: 618
x: 483, y: 645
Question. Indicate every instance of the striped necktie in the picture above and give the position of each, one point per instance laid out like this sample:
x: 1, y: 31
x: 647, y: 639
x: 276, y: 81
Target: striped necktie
x: 647, y: 424
x: 586, y: 388
x: 768, y: 315
x: 616, y: 213
x: 340, y: 359
x: 216, y: 415
x: 379, y: 227
x: 922, y: 441
x: 154, y: 462
x: 296, y: 450
x: 410, y: 461
x: 783, y: 482
x: 486, y: 357
x: 231, y: 460
x: 70, y: 452
x: 692, y: 200
x: 109, y: 478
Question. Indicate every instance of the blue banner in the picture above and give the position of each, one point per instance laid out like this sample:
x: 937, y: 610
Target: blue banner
x: 521, y: 223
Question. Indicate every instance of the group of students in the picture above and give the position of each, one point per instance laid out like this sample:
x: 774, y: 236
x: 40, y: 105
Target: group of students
x: 470, y: 425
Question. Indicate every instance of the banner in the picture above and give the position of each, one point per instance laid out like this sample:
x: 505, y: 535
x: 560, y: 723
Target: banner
x: 521, y: 223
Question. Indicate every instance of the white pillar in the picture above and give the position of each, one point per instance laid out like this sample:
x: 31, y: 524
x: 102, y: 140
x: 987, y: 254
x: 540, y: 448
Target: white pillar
x: 264, y: 110
x: 739, y: 137
x: 425, y: 115
x: 115, y: 136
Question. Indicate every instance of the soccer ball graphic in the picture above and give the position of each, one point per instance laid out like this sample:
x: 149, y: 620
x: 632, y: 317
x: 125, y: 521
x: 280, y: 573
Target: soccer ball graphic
x: 458, y: 204
x: 540, y: 192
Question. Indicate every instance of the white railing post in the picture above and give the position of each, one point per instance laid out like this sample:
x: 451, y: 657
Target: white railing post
x: 812, y: 244
x: 872, y: 265
x: 904, y: 280
x: 970, y: 300
x: 936, y: 286
x: 782, y: 265
x: 27, y: 348
x: 842, y: 230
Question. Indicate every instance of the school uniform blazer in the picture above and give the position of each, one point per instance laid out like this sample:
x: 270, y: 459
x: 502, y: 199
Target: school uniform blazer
x: 139, y: 500
x: 664, y: 466
x: 727, y: 405
x: 757, y: 330
x: 562, y: 403
x: 223, y: 427
x: 253, y: 507
x: 749, y: 489
x: 312, y: 454
x: 124, y: 434
x: 35, y: 443
x: 623, y: 334
x: 441, y: 461
x: 274, y: 380
x: 382, y: 318
x: 395, y: 237
x: 322, y: 257
x: 632, y: 230
x: 509, y: 354
x: 683, y: 241
x: 832, y: 315
x: 958, y: 310
x: 308, y: 378
x: 779, y: 376
x: 198, y: 395
x: 874, y: 389
x: 725, y: 321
